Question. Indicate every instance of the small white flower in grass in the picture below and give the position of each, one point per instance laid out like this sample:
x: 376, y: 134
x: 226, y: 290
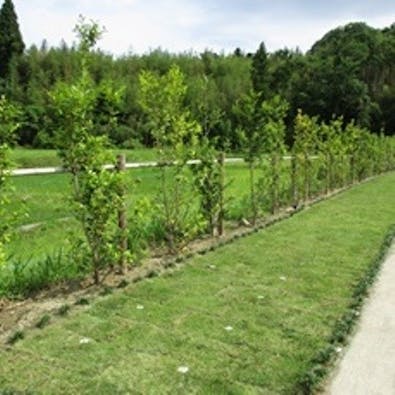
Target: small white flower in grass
x: 140, y: 307
x: 183, y: 369
x: 283, y: 278
x: 260, y: 297
x: 212, y: 266
x: 85, y: 340
x: 338, y: 349
x: 229, y: 328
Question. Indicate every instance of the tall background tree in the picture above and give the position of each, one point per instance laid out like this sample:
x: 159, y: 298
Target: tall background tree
x: 11, y: 43
x: 259, y: 72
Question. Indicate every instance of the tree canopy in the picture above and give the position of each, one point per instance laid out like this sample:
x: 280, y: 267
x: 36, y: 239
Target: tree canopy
x: 350, y: 72
x: 11, y: 42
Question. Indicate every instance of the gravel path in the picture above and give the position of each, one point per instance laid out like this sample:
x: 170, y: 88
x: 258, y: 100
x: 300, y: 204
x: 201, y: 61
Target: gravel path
x: 368, y: 365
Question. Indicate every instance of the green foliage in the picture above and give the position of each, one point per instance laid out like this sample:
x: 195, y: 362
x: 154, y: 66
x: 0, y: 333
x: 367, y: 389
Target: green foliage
x: 97, y: 192
x: 11, y: 43
x: 303, y: 151
x: 175, y: 137
x: 43, y: 321
x: 347, y: 73
x: 208, y: 178
x: 205, y: 105
x: 23, y: 277
x: 262, y: 131
x: 274, y: 112
x: 9, y: 115
x: 88, y: 34
x: 248, y: 113
x: 334, y: 148
x: 259, y: 74
x: 15, y: 337
x: 162, y: 100
x: 250, y: 120
x: 140, y: 224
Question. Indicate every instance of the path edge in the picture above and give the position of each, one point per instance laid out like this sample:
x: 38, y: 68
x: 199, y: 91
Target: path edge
x: 324, y: 360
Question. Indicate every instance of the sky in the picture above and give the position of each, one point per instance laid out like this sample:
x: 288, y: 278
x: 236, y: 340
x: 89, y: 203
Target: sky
x: 138, y: 26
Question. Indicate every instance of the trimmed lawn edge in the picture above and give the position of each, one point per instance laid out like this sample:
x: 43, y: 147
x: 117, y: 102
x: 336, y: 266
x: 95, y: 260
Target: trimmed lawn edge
x: 312, y: 381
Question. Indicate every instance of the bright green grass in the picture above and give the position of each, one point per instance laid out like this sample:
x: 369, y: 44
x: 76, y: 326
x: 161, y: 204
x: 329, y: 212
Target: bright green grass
x: 305, y: 269
x: 44, y: 198
x: 25, y: 158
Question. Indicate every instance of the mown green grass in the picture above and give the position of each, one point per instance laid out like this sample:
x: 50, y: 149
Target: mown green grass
x: 281, y: 289
x: 45, y: 199
x: 26, y: 158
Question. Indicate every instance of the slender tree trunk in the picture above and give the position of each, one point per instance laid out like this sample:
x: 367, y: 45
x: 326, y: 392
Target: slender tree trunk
x: 166, y: 206
x: 76, y: 183
x: 221, y: 214
x: 122, y: 219
x: 275, y: 182
x: 328, y: 174
x: 306, y: 177
x: 96, y: 261
x: 352, y: 169
x: 294, y: 186
x: 252, y: 193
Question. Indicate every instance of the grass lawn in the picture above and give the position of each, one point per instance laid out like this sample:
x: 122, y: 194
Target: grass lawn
x: 44, y: 199
x: 25, y: 158
x: 245, y: 319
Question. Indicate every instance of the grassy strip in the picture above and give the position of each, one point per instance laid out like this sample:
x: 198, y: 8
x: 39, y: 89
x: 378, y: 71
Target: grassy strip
x: 324, y: 359
x: 27, y: 158
x: 248, y: 318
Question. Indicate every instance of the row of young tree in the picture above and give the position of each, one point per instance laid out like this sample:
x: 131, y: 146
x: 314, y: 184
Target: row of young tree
x: 349, y: 72
x: 191, y: 199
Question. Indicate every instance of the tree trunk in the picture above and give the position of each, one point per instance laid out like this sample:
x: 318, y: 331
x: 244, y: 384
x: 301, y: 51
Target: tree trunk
x: 252, y: 193
x: 275, y: 182
x: 122, y: 219
x: 294, y: 186
x: 221, y: 215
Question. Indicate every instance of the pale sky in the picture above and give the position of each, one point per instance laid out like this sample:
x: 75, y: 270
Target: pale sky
x: 139, y: 26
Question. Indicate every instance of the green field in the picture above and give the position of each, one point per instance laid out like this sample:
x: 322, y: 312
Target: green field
x: 28, y: 158
x: 245, y: 319
x: 44, y: 198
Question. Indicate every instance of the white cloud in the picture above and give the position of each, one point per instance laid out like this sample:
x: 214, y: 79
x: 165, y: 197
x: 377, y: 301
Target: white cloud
x: 180, y: 25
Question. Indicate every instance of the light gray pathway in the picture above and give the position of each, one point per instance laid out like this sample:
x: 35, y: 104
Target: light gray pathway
x: 368, y: 366
x: 132, y: 165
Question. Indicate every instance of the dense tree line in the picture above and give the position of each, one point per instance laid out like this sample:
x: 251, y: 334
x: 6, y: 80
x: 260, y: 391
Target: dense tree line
x: 350, y: 72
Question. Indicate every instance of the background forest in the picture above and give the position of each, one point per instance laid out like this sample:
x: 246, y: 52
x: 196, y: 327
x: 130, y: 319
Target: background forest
x: 350, y: 72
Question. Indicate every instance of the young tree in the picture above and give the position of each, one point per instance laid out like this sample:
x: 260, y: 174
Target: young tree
x: 303, y: 150
x: 11, y: 43
x: 333, y: 146
x: 208, y: 174
x: 352, y: 135
x: 250, y: 130
x: 175, y: 135
x: 273, y: 132
x: 9, y: 115
x: 208, y: 177
x: 97, y: 192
